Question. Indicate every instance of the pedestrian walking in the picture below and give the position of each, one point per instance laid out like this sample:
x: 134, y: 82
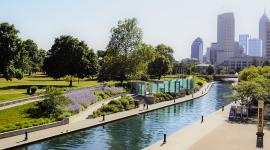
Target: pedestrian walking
x: 147, y: 106
x: 164, y: 139
x: 222, y: 108
x: 143, y: 106
x: 103, y: 117
x: 202, y: 120
x: 26, y: 136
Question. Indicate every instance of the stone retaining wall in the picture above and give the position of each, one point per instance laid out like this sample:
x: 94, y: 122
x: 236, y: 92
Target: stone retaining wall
x: 32, y: 129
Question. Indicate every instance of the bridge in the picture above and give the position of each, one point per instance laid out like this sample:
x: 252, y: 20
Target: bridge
x: 226, y: 77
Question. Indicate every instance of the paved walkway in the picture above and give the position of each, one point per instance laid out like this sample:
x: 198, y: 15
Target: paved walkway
x: 75, y: 126
x: 21, y: 103
x: 216, y: 133
x: 84, y: 114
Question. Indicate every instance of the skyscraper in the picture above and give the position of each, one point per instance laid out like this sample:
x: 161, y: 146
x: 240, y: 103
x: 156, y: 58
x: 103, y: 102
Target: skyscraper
x: 255, y: 47
x: 262, y: 32
x: 243, y: 41
x: 207, y: 54
x: 225, y: 37
x: 267, y: 42
x: 197, y: 49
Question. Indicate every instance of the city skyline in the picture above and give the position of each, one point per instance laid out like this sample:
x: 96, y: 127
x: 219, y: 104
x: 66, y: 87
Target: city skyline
x: 173, y: 27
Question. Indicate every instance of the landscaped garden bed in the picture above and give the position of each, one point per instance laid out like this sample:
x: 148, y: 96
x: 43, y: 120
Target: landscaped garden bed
x: 123, y: 104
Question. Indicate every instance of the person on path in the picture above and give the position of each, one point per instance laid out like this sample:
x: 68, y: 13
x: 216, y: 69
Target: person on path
x: 26, y: 136
x: 202, y: 120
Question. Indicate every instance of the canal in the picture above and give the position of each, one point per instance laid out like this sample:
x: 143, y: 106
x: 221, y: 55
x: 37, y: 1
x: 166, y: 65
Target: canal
x: 138, y: 132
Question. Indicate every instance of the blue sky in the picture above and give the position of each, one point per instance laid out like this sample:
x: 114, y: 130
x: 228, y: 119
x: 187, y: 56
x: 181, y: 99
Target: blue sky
x: 173, y: 22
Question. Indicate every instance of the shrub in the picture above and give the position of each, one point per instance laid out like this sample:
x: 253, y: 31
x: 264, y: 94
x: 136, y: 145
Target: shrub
x: 114, y: 106
x: 200, y: 83
x: 33, y: 89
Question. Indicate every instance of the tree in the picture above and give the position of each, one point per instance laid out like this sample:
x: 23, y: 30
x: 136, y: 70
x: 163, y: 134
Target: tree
x: 36, y: 56
x: 248, y: 74
x: 14, y: 60
x: 54, y: 105
x: 159, y: 67
x: 210, y: 70
x: 166, y: 51
x: 70, y: 57
x: 141, y: 57
x: 125, y: 39
x: 248, y: 92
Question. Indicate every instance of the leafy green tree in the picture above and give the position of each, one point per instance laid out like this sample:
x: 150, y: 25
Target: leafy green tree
x: 14, y: 61
x: 248, y: 92
x: 141, y: 58
x: 166, y: 51
x: 125, y: 39
x: 36, y: 56
x: 159, y: 67
x: 210, y: 70
x: 70, y: 57
x: 248, y: 74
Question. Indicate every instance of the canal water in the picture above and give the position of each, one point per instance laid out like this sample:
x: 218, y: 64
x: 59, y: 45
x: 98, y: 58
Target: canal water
x: 138, y: 132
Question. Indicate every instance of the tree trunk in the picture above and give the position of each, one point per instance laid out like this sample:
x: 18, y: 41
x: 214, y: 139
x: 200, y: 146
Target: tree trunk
x: 70, y: 83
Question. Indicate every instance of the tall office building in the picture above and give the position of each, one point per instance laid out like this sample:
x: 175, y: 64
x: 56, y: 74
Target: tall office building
x: 262, y: 32
x: 213, y: 53
x: 267, y: 41
x: 225, y: 37
x: 243, y: 41
x: 254, y: 47
x: 207, y: 54
x: 197, y: 49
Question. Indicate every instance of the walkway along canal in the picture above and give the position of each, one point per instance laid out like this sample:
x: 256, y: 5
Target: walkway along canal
x: 140, y: 131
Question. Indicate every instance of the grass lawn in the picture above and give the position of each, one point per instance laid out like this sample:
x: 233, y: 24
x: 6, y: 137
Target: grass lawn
x: 15, y: 89
x: 17, y: 118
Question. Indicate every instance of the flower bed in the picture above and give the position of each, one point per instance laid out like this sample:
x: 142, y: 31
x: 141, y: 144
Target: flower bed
x: 114, y: 106
x: 83, y: 98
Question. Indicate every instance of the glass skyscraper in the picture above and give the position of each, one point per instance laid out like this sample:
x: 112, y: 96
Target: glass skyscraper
x: 197, y: 49
x: 263, y: 33
x: 243, y: 41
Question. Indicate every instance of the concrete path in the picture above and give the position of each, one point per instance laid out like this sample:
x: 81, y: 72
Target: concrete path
x: 215, y: 133
x: 90, y: 109
x: 21, y: 103
x: 79, y: 125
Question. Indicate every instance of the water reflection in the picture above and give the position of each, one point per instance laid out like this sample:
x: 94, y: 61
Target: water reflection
x: 138, y: 132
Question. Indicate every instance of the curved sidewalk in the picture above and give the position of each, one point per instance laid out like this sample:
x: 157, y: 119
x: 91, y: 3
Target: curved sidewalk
x: 215, y: 133
x: 88, y: 123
